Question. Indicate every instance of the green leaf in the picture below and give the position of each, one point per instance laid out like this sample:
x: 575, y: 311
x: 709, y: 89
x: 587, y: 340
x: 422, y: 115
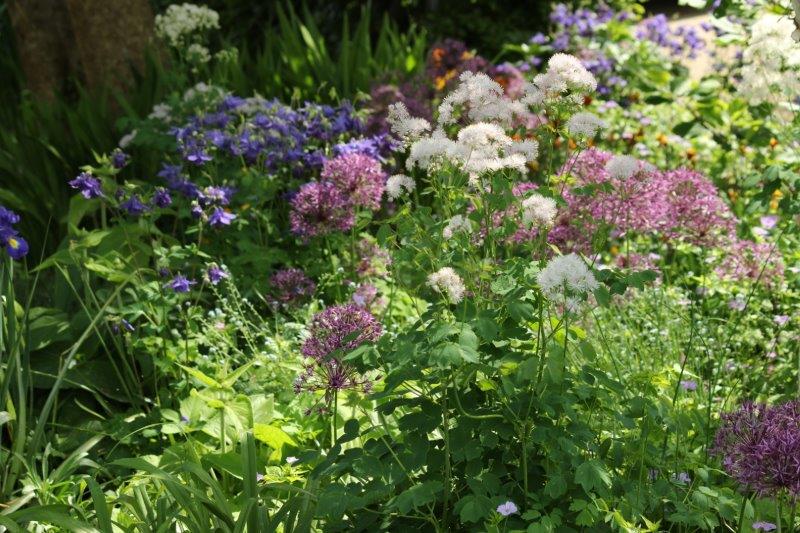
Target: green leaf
x: 593, y: 475
x: 416, y: 496
x: 205, y: 380
x: 272, y: 436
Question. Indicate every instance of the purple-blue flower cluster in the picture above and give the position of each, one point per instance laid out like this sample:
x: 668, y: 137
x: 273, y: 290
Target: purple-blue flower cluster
x: 16, y: 246
x: 573, y: 26
x: 267, y: 133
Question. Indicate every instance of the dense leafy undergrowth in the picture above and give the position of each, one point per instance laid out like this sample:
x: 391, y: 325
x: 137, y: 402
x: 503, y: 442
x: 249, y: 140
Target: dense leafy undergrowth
x: 553, y: 294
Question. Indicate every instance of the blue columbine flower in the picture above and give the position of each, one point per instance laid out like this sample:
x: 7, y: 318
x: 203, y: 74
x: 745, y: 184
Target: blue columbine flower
x: 88, y: 185
x: 16, y: 246
x: 215, y: 274
x: 220, y: 217
x: 180, y: 283
x: 133, y: 205
x: 161, y: 197
x: 119, y: 159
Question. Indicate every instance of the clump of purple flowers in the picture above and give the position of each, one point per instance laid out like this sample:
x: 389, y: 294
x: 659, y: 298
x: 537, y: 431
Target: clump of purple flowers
x: 336, y: 329
x: 358, y: 177
x: 16, y: 246
x: 752, y: 261
x: 760, y: 447
x: 320, y: 208
x: 679, y: 41
x: 340, y: 328
x: 290, y: 286
x: 680, y: 204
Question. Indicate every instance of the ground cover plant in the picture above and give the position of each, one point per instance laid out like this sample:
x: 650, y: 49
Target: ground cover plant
x: 551, y: 291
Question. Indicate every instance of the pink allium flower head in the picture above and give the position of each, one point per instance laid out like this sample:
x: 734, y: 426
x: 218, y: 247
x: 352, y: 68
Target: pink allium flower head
x: 291, y: 285
x: 680, y: 204
x: 341, y: 327
x: 374, y: 260
x: 320, y: 208
x: 358, y: 177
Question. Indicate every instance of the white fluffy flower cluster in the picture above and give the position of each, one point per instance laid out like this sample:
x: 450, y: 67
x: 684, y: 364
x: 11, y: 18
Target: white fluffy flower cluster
x: 179, y: 22
x: 538, y: 209
x: 771, y: 61
x: 564, y: 74
x: 446, y: 281
x: 458, y: 223
x: 408, y: 128
x: 481, y: 146
x: 586, y: 124
x: 398, y: 185
x: 624, y: 166
x: 481, y: 99
x: 197, y: 54
x: 566, y: 276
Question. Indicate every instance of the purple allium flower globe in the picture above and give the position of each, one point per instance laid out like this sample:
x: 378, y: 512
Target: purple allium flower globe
x: 358, y: 177
x: 341, y: 327
x: 290, y: 286
x: 760, y: 447
x: 320, y: 208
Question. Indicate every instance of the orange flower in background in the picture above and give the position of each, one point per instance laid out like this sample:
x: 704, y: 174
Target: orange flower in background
x: 571, y: 144
x: 773, y: 142
x: 776, y: 199
x: 437, y: 54
x: 615, y: 250
x: 691, y: 154
x: 733, y: 194
x: 662, y: 140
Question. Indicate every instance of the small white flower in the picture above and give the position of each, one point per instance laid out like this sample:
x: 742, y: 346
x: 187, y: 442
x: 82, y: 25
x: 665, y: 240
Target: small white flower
x: 537, y: 209
x: 398, y: 185
x: 457, y: 224
x: 564, y: 73
x: 566, y: 273
x: 291, y: 460
x: 161, y: 112
x: 446, y: 281
x: 127, y: 139
x: 586, y: 124
x: 197, y: 54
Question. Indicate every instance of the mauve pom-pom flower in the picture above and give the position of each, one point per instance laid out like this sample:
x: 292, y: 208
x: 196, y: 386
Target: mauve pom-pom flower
x: 320, y: 208
x: 764, y: 526
x: 358, y: 176
x: 760, y: 447
x: 341, y: 327
x: 291, y: 285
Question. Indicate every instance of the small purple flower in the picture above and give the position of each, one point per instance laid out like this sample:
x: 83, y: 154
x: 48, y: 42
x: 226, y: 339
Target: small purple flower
x: 180, y: 284
x: 769, y: 221
x: 764, y: 526
x: 220, y: 217
x: 161, y: 197
x: 215, y: 274
x: 508, y: 508
x: 689, y: 385
x: 119, y: 159
x: 737, y: 304
x: 88, y: 185
x: 133, y: 205
x: 681, y: 478
x: 781, y: 320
